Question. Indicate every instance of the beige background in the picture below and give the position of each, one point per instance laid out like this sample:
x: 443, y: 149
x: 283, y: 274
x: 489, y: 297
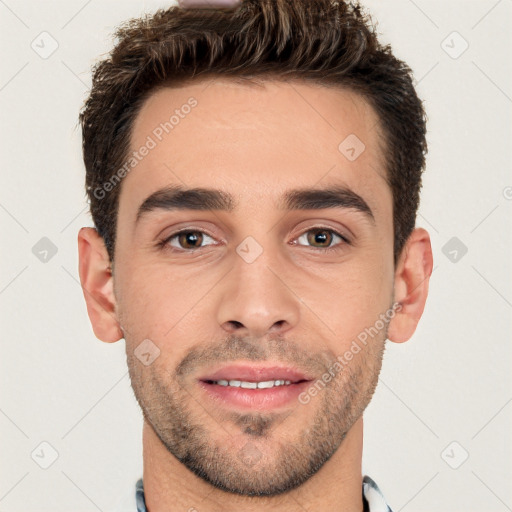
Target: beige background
x: 444, y: 395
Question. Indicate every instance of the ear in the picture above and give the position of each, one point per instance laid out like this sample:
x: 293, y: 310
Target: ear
x: 412, y: 276
x: 97, y: 285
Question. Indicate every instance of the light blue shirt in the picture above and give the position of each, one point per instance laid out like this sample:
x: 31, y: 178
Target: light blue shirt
x: 373, y: 499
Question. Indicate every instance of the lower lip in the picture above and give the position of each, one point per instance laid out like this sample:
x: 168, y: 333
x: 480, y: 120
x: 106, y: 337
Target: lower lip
x: 266, y: 398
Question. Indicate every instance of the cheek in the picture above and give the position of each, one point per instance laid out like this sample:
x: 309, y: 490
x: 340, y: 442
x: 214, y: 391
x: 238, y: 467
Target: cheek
x: 157, y: 303
x: 140, y: 302
x: 353, y: 297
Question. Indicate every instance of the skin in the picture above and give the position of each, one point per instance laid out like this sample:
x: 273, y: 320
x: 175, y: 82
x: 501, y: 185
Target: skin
x: 293, y: 304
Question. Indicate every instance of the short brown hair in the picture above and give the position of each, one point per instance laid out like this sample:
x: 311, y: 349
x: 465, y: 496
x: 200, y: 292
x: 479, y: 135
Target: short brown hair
x: 331, y: 43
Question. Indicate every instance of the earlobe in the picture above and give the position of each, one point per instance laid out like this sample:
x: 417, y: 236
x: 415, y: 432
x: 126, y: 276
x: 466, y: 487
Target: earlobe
x: 412, y: 277
x: 97, y: 285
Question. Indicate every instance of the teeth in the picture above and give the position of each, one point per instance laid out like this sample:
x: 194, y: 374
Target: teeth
x: 252, y: 385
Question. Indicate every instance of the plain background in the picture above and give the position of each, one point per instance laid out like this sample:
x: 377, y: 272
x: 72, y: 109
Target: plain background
x: 443, y: 396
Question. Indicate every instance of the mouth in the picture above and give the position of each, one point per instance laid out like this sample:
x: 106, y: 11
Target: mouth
x: 254, y: 387
x: 247, y: 384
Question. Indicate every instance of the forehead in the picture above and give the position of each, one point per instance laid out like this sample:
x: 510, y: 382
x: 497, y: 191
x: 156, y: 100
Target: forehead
x: 254, y: 140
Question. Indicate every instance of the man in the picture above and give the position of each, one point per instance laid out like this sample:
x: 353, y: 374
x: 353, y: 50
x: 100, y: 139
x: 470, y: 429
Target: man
x: 253, y: 175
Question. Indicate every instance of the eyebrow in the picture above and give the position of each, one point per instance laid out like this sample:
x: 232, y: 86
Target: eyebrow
x: 178, y: 198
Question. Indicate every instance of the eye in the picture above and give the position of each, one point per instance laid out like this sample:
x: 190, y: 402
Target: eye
x: 325, y: 237
x: 192, y: 239
x: 187, y: 239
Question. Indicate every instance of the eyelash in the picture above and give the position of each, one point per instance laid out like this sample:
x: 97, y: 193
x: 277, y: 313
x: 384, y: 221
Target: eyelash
x: 164, y: 244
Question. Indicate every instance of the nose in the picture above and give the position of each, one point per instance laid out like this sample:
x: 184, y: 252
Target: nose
x: 258, y: 298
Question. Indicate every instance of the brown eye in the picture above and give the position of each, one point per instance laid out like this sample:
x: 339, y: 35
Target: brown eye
x: 187, y: 240
x: 190, y: 239
x: 322, y: 238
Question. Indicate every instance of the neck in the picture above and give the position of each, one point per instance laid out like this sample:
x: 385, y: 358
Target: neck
x: 169, y: 486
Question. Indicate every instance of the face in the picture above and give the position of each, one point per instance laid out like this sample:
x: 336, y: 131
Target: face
x: 253, y: 283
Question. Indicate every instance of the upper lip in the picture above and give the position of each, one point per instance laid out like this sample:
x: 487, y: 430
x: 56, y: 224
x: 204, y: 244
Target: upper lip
x: 256, y: 373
